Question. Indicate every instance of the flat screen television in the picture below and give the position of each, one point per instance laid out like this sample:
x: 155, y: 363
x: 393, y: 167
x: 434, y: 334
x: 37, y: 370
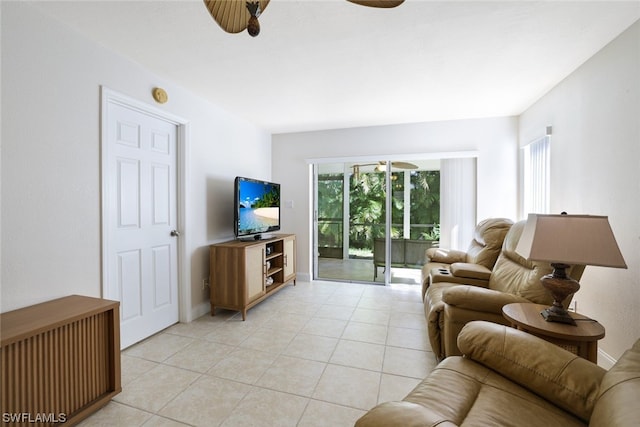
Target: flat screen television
x: 257, y: 208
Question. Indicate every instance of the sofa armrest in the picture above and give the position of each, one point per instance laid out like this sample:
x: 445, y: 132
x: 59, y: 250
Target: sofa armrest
x: 400, y: 414
x: 471, y: 271
x: 568, y: 381
x: 445, y: 256
x: 479, y: 299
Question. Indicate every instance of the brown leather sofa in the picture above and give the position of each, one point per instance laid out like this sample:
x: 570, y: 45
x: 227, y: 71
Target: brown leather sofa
x: 450, y: 305
x: 473, y: 266
x: 509, y: 377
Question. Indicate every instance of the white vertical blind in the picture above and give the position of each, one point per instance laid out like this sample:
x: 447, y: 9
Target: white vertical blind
x: 457, y: 202
x: 536, y: 176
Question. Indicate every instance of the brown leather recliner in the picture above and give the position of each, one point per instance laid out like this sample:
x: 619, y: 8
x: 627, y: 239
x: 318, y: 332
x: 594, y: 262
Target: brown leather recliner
x: 473, y: 266
x: 449, y: 305
x: 509, y: 377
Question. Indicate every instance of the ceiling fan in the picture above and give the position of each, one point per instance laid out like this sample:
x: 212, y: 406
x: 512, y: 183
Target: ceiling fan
x: 381, y: 167
x: 234, y: 16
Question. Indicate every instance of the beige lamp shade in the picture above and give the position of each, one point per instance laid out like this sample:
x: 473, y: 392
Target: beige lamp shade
x: 570, y: 239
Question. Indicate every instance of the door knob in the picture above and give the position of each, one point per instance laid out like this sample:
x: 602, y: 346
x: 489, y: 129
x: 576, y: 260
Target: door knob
x: 175, y: 233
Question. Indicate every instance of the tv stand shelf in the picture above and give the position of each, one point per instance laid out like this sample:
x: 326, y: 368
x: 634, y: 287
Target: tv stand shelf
x: 239, y: 271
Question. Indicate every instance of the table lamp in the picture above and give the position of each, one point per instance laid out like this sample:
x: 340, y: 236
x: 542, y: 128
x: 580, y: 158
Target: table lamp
x: 565, y: 240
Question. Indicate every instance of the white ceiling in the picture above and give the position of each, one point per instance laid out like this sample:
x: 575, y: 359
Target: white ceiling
x: 324, y: 64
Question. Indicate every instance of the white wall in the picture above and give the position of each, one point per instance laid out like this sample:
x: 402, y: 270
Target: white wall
x: 51, y: 78
x: 595, y: 169
x: 495, y: 139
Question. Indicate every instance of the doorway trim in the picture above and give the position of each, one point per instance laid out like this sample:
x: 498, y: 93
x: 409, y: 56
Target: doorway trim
x: 109, y: 96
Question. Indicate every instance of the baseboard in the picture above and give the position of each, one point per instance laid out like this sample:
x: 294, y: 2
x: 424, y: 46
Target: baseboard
x: 199, y: 310
x: 605, y: 361
x: 304, y: 277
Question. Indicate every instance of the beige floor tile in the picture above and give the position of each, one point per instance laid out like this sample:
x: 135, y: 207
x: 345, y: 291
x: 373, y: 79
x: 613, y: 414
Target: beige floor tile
x: 346, y: 300
x: 158, y: 421
x: 352, y: 387
x: 116, y: 414
x: 358, y: 355
x: 408, y: 320
x: 377, y: 292
x: 193, y: 329
x: 153, y: 389
x: 270, y: 340
x: 199, y: 356
x: 408, y: 362
x: 207, y: 402
x: 287, y: 322
x: 267, y: 408
x: 294, y: 306
x: 317, y: 354
x: 350, y: 289
x: 244, y: 365
x: 292, y: 375
x: 376, y: 317
x: 416, y: 339
x: 338, y: 312
x: 232, y: 332
x: 415, y: 307
x: 365, y: 332
x: 325, y: 327
x: 323, y: 414
x: 376, y: 303
x: 159, y: 347
x: 132, y: 367
x: 394, y: 387
x: 311, y: 347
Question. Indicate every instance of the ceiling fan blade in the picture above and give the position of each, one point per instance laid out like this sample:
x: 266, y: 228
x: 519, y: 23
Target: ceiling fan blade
x: 378, y: 3
x: 232, y: 15
x: 404, y: 165
x: 365, y: 164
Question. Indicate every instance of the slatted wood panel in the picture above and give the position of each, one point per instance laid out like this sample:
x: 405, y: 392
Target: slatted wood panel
x: 60, y: 359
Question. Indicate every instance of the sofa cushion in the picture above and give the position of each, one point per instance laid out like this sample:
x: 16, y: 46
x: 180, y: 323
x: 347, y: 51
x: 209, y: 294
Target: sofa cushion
x: 619, y: 394
x: 551, y: 372
x: 462, y: 392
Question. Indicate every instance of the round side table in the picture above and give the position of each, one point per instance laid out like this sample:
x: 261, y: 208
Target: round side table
x: 581, y: 339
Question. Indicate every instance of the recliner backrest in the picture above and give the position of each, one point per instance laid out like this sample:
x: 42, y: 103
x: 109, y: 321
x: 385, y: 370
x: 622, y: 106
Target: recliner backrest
x: 487, y: 241
x: 515, y: 275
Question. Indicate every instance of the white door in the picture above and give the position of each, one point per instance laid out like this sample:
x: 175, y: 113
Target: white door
x: 140, y: 220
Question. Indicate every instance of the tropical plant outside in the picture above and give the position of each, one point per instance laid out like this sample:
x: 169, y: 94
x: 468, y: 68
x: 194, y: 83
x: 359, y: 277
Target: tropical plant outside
x: 367, y: 209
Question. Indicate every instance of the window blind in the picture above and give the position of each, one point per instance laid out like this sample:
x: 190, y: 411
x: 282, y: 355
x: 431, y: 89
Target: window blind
x: 536, y: 176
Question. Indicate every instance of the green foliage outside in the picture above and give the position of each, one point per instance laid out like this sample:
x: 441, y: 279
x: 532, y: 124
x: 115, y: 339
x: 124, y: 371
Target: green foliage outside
x: 367, y: 208
x: 268, y: 200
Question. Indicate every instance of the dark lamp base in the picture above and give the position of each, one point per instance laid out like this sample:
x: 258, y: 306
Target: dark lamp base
x: 551, y: 315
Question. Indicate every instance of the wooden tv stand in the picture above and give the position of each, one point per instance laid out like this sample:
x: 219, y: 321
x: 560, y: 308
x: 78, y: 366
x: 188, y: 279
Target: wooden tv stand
x: 239, y: 271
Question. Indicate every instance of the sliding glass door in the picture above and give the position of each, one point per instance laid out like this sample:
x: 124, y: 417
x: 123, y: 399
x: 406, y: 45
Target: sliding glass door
x: 355, y: 239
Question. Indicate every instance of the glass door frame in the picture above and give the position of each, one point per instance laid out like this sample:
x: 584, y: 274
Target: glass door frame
x: 345, y: 229
x: 388, y: 159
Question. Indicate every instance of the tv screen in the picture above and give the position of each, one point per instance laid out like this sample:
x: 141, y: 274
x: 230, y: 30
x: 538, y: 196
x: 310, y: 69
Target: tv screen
x: 257, y: 207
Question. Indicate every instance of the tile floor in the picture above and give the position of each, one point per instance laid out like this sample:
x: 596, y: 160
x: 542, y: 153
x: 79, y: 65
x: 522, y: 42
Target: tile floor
x: 314, y: 354
x: 361, y: 270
